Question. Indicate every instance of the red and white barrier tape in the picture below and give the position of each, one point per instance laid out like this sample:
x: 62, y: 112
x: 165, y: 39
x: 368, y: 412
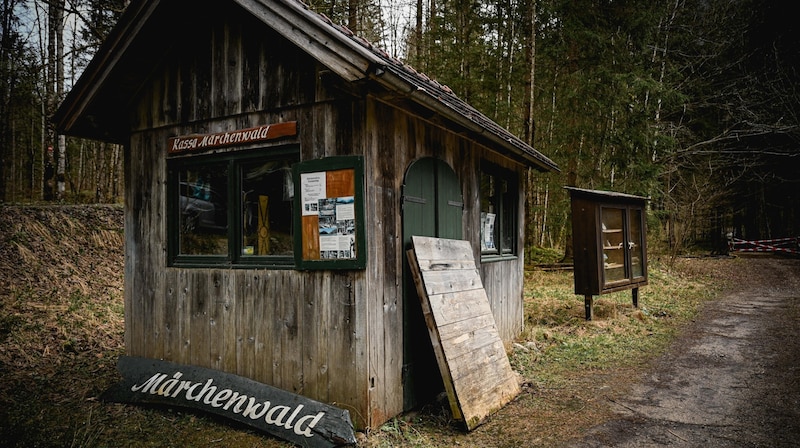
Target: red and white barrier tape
x: 772, y: 245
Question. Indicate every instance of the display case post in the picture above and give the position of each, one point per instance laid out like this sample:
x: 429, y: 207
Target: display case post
x: 587, y: 303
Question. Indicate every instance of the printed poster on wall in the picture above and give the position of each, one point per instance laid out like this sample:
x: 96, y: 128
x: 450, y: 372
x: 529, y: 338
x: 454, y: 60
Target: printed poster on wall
x: 335, y: 215
x: 487, y: 231
x: 337, y: 228
x: 313, y: 190
x: 330, y: 213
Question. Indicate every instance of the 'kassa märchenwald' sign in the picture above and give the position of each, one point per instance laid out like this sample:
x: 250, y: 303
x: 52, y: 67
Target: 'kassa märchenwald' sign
x: 283, y: 414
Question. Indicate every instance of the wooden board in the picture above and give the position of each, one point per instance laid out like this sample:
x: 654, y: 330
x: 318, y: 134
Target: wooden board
x: 477, y: 374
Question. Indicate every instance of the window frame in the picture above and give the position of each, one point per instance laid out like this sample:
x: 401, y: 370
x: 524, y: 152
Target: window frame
x: 503, y: 217
x: 324, y: 165
x: 234, y: 258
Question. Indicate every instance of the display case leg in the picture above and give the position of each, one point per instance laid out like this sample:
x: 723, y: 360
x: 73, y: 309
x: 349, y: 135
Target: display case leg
x: 635, y: 294
x: 587, y: 302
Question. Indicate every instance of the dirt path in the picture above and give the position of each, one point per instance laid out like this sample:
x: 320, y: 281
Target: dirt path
x: 733, y: 380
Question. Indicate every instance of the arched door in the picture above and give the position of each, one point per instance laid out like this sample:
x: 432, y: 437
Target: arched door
x: 432, y: 206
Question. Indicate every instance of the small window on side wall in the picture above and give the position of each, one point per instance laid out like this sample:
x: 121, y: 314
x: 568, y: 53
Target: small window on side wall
x: 232, y: 209
x: 499, y: 194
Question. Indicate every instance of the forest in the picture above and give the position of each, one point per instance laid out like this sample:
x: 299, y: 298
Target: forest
x: 691, y: 103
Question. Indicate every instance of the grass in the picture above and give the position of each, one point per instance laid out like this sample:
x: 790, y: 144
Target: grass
x: 61, y: 331
x: 619, y: 334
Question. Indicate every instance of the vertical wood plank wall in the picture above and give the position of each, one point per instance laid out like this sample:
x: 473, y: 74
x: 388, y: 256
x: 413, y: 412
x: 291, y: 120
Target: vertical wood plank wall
x: 335, y: 336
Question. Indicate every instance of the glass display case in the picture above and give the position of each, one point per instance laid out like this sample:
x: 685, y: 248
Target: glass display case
x: 609, y: 244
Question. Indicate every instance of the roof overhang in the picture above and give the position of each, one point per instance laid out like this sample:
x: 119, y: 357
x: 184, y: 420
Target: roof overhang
x: 96, y: 107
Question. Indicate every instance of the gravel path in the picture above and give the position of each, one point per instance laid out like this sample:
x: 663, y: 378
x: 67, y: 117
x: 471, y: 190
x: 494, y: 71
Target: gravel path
x: 732, y: 380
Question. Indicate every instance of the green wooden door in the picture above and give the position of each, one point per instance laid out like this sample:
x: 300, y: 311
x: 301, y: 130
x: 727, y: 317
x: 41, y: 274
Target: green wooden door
x: 432, y: 206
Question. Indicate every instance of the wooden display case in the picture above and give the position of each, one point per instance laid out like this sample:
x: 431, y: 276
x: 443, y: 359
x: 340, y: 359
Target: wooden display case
x: 609, y: 243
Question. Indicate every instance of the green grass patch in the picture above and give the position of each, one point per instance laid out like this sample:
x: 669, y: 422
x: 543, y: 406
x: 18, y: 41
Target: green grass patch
x: 542, y: 255
x: 558, y: 340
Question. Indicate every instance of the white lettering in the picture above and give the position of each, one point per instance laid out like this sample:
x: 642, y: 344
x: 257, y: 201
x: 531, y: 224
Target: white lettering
x: 150, y: 385
x: 221, y: 397
x: 238, y: 408
x: 277, y: 421
x: 252, y: 410
x: 314, y: 420
x: 211, y: 390
x: 281, y: 416
x: 166, y: 388
x: 288, y: 424
x: 183, y: 144
x: 203, y: 391
x: 239, y: 136
x: 183, y: 386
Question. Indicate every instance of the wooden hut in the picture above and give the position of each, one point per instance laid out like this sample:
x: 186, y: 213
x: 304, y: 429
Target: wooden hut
x: 276, y: 167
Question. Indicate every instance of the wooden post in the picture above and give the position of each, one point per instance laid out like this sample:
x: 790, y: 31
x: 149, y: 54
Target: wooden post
x: 635, y: 294
x: 587, y: 302
x: 263, y: 225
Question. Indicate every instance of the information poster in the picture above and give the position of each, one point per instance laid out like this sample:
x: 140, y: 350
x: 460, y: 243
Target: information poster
x: 331, y: 213
x: 487, y: 231
x: 337, y: 228
x: 313, y: 191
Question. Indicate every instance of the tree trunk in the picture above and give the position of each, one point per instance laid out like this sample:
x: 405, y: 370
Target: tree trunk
x: 55, y: 90
x: 530, y: 56
x: 6, y: 22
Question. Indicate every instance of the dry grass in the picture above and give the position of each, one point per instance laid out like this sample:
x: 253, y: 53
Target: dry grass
x: 61, y: 330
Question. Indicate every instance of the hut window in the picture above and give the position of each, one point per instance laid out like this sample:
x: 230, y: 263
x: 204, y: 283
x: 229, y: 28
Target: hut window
x: 203, y: 204
x: 499, y: 195
x: 232, y: 208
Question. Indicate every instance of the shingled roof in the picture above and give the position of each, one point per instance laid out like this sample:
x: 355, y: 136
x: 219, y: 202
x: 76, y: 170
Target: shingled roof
x: 335, y: 46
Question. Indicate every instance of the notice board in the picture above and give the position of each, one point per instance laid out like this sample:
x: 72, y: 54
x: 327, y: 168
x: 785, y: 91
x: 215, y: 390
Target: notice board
x: 329, y: 204
x: 472, y: 359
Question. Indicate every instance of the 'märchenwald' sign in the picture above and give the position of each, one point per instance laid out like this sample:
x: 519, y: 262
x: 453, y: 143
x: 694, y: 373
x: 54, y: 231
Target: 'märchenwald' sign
x: 283, y: 414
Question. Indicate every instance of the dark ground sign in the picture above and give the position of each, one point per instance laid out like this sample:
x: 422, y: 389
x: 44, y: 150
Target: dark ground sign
x: 283, y: 414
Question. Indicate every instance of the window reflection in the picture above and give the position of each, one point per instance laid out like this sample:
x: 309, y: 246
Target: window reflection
x: 613, y: 245
x: 498, y: 196
x: 267, y: 194
x: 232, y: 208
x: 637, y: 263
x: 204, y: 210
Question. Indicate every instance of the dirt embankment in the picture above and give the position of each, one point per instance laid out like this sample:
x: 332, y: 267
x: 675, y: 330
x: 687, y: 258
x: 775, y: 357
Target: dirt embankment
x: 61, y: 283
x: 58, y: 250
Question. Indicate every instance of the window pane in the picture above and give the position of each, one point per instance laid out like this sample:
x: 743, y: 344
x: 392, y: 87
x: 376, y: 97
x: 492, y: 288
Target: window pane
x: 267, y: 194
x: 509, y: 215
x: 489, y: 209
x: 637, y: 255
x: 203, y: 206
x: 613, y: 240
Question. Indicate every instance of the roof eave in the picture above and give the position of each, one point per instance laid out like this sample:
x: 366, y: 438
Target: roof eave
x: 100, y: 67
x: 334, y: 46
x: 394, y: 82
x: 319, y: 37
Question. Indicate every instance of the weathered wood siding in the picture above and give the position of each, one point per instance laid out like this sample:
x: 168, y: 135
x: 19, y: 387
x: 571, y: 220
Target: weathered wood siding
x: 395, y: 140
x: 334, y: 336
x: 301, y: 331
